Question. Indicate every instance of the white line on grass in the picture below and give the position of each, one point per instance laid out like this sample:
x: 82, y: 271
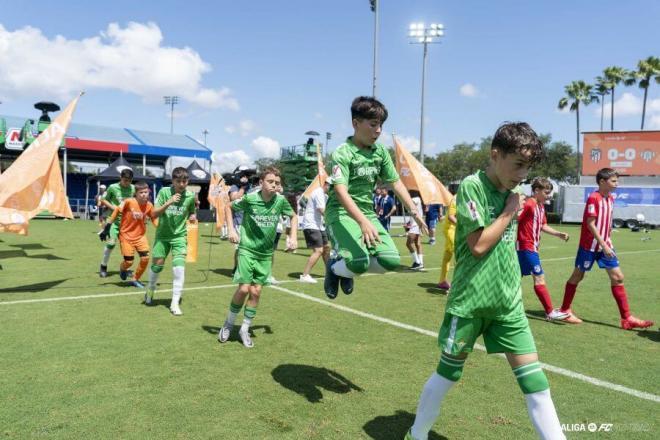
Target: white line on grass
x: 558, y: 370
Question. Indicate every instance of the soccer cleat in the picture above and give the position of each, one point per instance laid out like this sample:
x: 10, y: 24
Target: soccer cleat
x: 123, y: 274
x: 149, y: 297
x: 103, y: 271
x: 346, y: 285
x: 416, y: 266
x: 444, y: 285
x: 272, y: 280
x: 432, y: 242
x: 556, y: 315
x: 245, y: 338
x: 572, y: 318
x: 176, y: 310
x: 225, y: 331
x: 307, y: 279
x: 331, y: 282
x: 631, y: 322
x: 136, y: 283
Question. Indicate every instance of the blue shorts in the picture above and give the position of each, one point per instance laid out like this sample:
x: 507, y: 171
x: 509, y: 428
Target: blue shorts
x: 585, y: 260
x: 431, y: 222
x: 530, y: 263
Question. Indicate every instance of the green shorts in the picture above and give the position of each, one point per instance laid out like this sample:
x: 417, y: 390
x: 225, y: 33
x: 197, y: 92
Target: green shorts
x: 114, y: 234
x: 346, y: 237
x: 178, y: 247
x: 251, y: 270
x: 458, y: 335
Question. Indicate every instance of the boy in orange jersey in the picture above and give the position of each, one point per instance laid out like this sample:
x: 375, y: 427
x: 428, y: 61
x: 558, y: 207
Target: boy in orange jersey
x: 132, y: 229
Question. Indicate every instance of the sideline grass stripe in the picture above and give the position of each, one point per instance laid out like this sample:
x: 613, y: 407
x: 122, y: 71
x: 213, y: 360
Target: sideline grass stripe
x: 557, y: 370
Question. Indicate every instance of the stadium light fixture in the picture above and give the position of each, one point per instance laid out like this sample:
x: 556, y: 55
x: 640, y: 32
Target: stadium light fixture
x: 171, y: 100
x: 420, y: 34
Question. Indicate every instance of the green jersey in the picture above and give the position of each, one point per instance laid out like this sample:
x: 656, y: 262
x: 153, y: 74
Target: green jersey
x: 172, y: 223
x: 116, y: 194
x: 486, y: 287
x: 359, y: 169
x: 259, y: 224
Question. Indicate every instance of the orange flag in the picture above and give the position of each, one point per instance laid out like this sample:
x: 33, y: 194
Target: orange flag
x: 321, y: 175
x: 192, y: 229
x: 218, y: 199
x: 33, y: 183
x: 416, y: 177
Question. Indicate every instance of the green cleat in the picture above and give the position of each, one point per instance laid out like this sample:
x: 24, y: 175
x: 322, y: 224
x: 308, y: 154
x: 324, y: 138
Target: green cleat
x: 149, y: 297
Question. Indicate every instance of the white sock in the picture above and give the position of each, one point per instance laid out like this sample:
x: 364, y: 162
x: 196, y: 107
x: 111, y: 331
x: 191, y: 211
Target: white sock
x: 375, y: 267
x: 245, y: 326
x: 153, y: 279
x: 340, y: 269
x: 414, y: 257
x: 428, y: 408
x: 421, y: 259
x: 177, y: 283
x: 106, y: 256
x: 231, y: 317
x: 542, y: 412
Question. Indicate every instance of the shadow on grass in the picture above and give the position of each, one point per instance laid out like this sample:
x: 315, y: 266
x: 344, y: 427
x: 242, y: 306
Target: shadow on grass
x: 653, y: 335
x: 539, y: 315
x: 308, y: 380
x: 12, y: 254
x: 394, y: 427
x: 38, y: 287
x: 47, y: 257
x: 29, y: 246
x: 224, y: 272
x: 432, y: 288
x: 233, y: 337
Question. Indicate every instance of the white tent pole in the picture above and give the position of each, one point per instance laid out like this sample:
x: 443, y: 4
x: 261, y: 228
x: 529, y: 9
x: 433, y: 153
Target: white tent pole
x: 87, y: 200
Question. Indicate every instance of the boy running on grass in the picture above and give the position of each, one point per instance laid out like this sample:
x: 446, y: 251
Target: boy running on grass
x: 359, y: 240
x: 486, y: 297
x: 115, y: 194
x: 171, y: 236
x: 531, y: 222
x: 596, y: 245
x: 261, y: 213
x: 134, y: 213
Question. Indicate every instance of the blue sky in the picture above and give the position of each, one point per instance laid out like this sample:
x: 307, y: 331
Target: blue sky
x: 258, y: 74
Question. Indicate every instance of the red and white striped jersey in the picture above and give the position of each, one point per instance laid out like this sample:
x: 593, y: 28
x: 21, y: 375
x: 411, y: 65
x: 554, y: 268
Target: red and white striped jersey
x: 530, y: 222
x: 601, y: 208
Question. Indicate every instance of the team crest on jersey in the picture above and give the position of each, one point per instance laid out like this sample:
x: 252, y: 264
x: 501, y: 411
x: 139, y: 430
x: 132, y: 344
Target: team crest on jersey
x: 472, y: 209
x: 591, y: 209
x: 336, y: 172
x: 537, y: 268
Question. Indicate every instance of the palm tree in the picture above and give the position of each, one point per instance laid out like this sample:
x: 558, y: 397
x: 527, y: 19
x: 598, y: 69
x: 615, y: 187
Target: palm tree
x: 648, y: 69
x: 616, y: 75
x: 577, y: 92
x: 602, y: 88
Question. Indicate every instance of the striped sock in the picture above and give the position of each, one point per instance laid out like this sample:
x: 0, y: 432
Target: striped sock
x: 234, y: 309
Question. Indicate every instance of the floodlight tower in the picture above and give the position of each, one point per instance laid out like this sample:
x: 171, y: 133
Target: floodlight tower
x: 420, y: 34
x: 171, y: 100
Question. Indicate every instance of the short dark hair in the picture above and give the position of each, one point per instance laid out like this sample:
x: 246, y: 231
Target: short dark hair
x: 141, y: 185
x: 605, y: 174
x: 368, y: 107
x: 126, y: 173
x: 179, y: 173
x: 516, y: 137
x: 541, y: 183
x: 270, y: 170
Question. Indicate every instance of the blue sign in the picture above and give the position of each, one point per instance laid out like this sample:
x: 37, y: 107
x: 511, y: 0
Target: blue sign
x: 631, y: 196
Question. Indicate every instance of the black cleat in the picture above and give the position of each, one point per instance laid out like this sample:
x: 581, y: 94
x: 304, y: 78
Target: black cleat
x: 331, y: 282
x: 103, y: 271
x: 416, y: 266
x: 346, y: 285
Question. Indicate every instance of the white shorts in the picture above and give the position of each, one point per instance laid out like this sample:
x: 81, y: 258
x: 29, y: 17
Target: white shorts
x: 414, y: 229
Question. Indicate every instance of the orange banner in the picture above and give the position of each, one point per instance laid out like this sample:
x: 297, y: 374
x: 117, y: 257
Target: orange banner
x: 416, y: 177
x: 33, y: 183
x: 192, y: 229
x: 631, y: 153
x: 218, y: 198
x: 321, y: 174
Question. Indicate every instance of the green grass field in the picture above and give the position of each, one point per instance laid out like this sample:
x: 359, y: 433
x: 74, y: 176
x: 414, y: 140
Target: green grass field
x: 85, y: 359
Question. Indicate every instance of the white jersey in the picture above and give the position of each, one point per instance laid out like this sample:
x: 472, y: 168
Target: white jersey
x: 414, y: 228
x: 312, y: 217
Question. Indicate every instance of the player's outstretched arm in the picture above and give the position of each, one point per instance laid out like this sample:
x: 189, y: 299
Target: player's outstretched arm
x: 482, y: 240
x: 555, y: 233
x: 402, y: 193
x: 229, y: 218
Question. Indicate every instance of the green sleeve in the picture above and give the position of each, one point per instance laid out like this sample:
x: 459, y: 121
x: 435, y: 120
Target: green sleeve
x: 387, y: 169
x: 471, y: 209
x: 340, y: 167
x: 110, y: 195
x: 285, y: 208
x: 161, y: 198
x: 239, y: 205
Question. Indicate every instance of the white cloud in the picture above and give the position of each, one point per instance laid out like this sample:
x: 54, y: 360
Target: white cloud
x: 469, y: 90
x: 410, y: 143
x: 318, y: 115
x: 654, y: 122
x: 131, y: 59
x: 627, y: 105
x: 244, y: 127
x: 266, y: 147
x: 230, y: 129
x: 228, y: 161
